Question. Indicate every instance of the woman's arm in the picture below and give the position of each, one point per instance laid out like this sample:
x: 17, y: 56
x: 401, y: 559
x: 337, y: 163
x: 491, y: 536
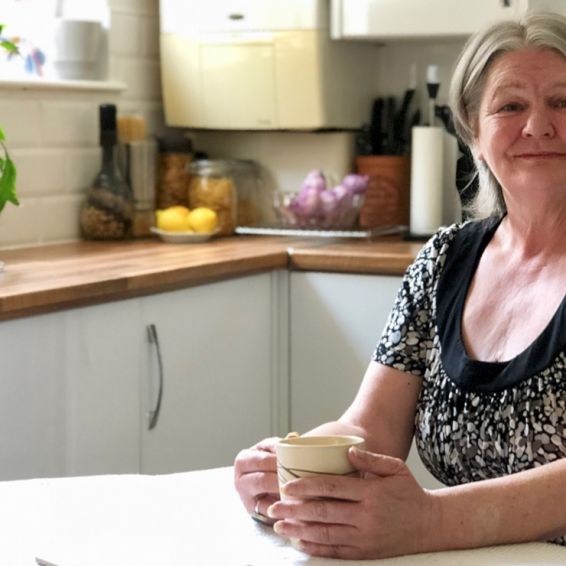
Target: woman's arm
x: 383, y: 412
x: 525, y: 506
x: 388, y: 514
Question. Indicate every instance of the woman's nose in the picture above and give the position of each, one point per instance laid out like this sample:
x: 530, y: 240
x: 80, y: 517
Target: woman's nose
x: 539, y: 124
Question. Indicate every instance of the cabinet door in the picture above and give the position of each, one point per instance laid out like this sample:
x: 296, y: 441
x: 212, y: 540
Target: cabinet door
x: 102, y: 368
x: 216, y: 347
x: 383, y: 19
x: 32, y: 397
x: 336, y: 321
x: 69, y: 392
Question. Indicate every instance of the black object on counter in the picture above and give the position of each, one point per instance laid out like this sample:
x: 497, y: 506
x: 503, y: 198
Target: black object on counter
x: 108, y: 208
x: 376, y: 127
x: 389, y: 130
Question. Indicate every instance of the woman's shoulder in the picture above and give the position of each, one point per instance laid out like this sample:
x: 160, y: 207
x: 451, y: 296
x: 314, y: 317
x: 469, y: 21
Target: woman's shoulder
x: 435, y: 248
x: 463, y: 232
x: 448, y: 245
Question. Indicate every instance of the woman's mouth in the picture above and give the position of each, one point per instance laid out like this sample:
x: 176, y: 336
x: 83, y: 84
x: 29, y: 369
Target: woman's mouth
x: 541, y: 155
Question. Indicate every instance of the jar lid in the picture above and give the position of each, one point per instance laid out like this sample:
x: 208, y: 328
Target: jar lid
x: 211, y: 167
x: 175, y: 145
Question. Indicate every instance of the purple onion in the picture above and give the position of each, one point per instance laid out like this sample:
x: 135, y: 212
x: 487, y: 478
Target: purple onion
x: 357, y: 184
x: 314, y: 180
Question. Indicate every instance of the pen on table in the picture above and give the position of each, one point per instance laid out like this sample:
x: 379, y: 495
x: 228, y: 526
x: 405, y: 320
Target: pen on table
x: 41, y: 562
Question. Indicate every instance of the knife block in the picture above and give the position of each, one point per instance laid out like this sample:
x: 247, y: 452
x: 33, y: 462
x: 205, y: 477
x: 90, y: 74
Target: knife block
x: 387, y: 197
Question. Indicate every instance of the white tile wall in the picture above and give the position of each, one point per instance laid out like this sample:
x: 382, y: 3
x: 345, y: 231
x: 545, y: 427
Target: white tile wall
x: 287, y: 156
x: 53, y: 135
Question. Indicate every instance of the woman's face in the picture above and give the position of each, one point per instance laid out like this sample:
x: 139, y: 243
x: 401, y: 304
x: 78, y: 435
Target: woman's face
x: 521, y: 127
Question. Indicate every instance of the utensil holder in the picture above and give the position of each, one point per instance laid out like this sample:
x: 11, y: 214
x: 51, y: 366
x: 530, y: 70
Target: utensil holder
x: 386, y: 201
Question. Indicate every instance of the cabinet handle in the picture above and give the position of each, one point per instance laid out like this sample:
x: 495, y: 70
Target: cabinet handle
x: 505, y: 3
x: 153, y: 339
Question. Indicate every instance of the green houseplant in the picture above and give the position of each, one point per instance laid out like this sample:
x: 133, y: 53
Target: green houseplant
x: 7, y: 167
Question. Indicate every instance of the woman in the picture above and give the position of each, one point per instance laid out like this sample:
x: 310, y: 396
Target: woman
x: 472, y: 361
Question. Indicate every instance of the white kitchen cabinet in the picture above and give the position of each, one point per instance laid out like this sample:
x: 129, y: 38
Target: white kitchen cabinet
x: 217, y: 345
x: 335, y: 321
x: 102, y: 385
x: 69, y: 393
x: 76, y: 386
x: 398, y: 19
x: 32, y: 397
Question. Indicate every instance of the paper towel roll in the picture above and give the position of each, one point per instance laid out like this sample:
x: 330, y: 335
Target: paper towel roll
x: 427, y: 180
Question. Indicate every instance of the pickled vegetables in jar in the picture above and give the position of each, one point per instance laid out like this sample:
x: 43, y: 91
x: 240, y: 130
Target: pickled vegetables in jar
x: 212, y: 185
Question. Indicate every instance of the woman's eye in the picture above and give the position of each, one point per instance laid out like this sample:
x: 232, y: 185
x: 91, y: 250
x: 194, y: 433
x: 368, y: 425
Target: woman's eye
x: 510, y: 107
x: 560, y: 103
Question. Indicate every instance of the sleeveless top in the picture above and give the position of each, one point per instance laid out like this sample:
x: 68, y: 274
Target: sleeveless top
x: 475, y: 420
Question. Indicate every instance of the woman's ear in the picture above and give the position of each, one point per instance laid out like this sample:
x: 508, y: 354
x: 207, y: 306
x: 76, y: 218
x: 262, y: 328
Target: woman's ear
x: 476, y: 152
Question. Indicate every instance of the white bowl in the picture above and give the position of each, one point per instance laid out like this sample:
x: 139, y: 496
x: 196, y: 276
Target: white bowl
x: 182, y: 237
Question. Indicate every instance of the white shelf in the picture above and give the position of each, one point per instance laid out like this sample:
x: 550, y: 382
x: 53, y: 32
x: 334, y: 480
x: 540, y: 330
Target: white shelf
x: 54, y: 84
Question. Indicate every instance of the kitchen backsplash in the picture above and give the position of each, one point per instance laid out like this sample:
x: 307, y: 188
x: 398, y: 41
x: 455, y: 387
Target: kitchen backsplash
x: 53, y: 134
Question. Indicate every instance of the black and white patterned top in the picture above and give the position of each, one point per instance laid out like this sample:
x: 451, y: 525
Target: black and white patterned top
x: 475, y: 420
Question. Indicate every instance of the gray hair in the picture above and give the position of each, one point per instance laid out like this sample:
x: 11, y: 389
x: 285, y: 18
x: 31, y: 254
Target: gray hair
x: 535, y: 30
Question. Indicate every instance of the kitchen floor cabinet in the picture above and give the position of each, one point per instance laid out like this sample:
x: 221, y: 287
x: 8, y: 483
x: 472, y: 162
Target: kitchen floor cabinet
x: 335, y: 322
x: 216, y: 344
x: 32, y: 397
x: 102, y: 384
x: 76, y: 386
x: 69, y: 393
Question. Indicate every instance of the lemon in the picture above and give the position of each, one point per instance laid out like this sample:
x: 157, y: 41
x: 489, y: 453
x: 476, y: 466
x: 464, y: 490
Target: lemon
x: 173, y: 219
x: 203, y: 219
x: 179, y: 208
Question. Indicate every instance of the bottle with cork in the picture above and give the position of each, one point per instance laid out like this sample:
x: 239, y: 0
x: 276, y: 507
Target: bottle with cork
x: 107, y: 211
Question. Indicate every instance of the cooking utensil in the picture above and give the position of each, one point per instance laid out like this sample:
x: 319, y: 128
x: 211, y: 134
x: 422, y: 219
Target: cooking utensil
x: 432, y: 86
x: 376, y: 126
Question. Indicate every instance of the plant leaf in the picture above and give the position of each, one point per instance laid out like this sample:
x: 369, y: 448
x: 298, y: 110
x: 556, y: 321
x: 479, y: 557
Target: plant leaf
x: 8, y: 184
x: 9, y: 46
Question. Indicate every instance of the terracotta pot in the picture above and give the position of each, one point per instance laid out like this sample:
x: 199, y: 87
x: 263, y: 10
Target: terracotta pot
x: 387, y: 197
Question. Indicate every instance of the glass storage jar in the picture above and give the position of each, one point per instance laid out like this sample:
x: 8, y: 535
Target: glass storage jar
x: 175, y: 157
x: 212, y: 185
x: 255, y: 199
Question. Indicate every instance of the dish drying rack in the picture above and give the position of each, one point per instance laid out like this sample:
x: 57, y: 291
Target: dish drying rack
x: 319, y: 233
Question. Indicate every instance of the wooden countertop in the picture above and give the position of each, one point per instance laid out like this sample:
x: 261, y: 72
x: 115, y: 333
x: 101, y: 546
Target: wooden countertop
x: 384, y: 257
x: 47, y: 278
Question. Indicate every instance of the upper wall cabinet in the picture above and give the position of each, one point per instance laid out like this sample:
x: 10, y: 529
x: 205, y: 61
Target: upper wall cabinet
x: 260, y: 65
x: 400, y: 19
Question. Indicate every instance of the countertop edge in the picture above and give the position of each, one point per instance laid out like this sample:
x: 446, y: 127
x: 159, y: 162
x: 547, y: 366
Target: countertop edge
x: 59, y: 277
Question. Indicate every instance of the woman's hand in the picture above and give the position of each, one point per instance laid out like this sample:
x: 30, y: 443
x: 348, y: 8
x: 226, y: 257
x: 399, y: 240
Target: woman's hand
x: 255, y: 477
x: 383, y: 513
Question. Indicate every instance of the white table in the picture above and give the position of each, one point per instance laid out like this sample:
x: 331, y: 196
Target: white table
x: 190, y: 519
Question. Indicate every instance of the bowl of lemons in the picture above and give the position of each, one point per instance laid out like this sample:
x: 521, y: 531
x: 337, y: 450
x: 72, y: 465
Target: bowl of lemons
x: 179, y: 225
